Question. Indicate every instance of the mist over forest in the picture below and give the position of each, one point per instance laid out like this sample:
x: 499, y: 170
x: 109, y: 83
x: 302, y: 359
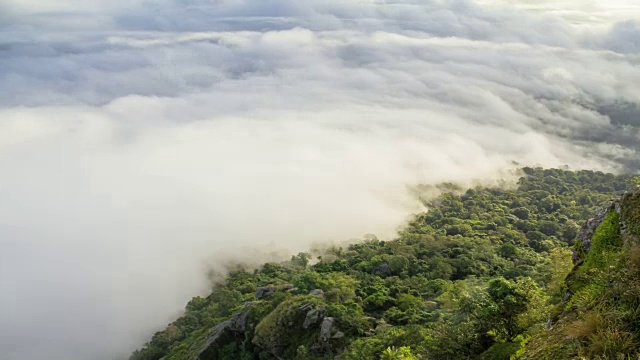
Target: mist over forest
x: 144, y: 145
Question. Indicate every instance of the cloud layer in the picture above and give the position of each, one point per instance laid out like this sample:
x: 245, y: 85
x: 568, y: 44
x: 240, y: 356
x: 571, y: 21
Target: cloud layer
x: 143, y: 143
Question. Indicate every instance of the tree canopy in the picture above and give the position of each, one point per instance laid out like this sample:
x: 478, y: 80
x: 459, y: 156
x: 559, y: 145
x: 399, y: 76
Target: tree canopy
x: 476, y: 276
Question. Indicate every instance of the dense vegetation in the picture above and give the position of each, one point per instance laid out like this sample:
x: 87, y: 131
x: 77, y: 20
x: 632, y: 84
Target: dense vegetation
x: 481, y: 275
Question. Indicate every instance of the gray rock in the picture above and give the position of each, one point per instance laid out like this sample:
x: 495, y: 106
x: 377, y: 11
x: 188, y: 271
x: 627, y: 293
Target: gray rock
x: 305, y: 307
x: 312, y: 317
x: 338, y: 335
x: 237, y: 324
x: 589, y: 227
x: 322, y: 310
x: 265, y: 291
x: 268, y: 291
x: 325, y: 329
x: 316, y: 292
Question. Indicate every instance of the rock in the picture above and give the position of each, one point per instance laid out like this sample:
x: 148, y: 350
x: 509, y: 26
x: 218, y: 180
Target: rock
x: 268, y: 291
x: 316, y: 292
x: 237, y: 325
x: 265, y: 291
x: 382, y: 269
x: 312, y: 317
x: 322, y: 310
x: 589, y: 227
x: 305, y: 307
x: 338, y: 335
x: 325, y: 329
x: 286, y: 287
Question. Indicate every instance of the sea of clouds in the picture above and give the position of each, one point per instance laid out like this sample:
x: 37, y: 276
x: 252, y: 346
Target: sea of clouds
x: 143, y: 143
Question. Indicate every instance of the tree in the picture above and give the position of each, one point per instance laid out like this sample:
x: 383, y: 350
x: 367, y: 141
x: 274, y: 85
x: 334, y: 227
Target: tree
x: 517, y: 304
x: 301, y: 260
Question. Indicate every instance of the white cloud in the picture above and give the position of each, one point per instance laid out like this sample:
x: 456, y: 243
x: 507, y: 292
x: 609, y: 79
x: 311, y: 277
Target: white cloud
x: 157, y: 140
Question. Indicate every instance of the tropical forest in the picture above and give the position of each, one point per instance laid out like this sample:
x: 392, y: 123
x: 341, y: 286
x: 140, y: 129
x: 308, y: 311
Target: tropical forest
x: 546, y: 268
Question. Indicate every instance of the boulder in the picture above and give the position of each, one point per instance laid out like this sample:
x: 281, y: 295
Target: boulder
x: 313, y: 315
x: 325, y: 329
x: 265, y: 291
x: 237, y: 325
x: 268, y: 291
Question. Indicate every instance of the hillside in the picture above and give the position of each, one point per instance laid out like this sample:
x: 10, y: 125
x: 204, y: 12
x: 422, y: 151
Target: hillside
x: 481, y: 275
x: 599, y: 317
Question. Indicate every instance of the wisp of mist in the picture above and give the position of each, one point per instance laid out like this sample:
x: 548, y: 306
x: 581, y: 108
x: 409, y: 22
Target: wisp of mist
x: 143, y: 144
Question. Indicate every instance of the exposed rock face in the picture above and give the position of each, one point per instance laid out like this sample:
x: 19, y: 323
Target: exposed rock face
x: 325, y: 329
x: 313, y: 316
x: 237, y: 324
x: 622, y: 206
x: 292, y: 320
x: 316, y: 292
x: 590, y: 226
x: 267, y: 291
x: 629, y: 209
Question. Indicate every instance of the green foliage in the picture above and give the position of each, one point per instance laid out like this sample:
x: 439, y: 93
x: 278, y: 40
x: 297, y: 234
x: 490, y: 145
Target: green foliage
x: 469, y: 279
x: 606, y: 245
x: 282, y: 328
x: 502, y: 351
x: 631, y: 215
x: 391, y: 353
x: 601, y: 319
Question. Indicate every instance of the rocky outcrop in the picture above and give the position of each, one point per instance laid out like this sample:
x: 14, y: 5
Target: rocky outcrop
x: 313, y: 315
x: 263, y: 292
x: 236, y: 325
x: 623, y: 206
x: 325, y: 329
x: 630, y: 218
x: 590, y: 226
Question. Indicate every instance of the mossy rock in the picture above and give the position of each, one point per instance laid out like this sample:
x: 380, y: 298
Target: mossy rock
x: 282, y: 331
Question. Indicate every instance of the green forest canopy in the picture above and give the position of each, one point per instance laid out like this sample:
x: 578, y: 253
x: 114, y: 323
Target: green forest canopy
x: 480, y: 275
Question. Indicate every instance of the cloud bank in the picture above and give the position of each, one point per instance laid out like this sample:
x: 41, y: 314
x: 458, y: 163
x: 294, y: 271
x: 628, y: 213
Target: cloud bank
x: 143, y: 143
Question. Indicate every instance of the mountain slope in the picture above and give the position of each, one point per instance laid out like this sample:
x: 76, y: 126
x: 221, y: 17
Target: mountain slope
x: 599, y: 317
x: 474, y: 277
